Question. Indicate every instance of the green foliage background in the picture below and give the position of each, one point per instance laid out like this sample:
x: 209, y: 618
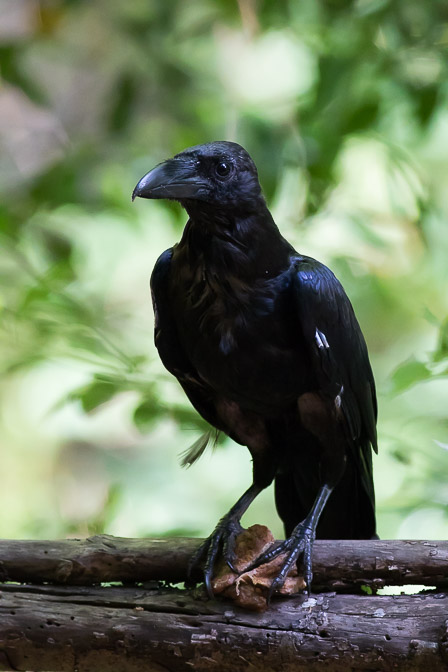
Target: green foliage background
x: 344, y: 107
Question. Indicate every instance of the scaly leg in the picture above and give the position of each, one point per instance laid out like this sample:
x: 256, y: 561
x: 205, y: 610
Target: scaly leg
x: 223, y: 535
x: 300, y: 543
x: 321, y: 419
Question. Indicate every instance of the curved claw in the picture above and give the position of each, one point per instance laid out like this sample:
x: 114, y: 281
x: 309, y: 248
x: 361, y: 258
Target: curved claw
x: 299, y: 543
x: 228, y: 548
x: 223, y: 535
x: 196, y: 559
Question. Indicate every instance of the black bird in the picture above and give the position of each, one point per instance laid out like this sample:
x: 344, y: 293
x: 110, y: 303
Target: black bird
x: 266, y: 346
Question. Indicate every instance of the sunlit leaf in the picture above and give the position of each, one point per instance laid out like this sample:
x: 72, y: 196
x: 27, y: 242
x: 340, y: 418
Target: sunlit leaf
x: 93, y: 395
x: 408, y: 374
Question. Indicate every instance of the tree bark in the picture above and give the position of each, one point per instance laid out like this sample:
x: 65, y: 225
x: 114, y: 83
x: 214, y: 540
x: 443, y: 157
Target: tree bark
x: 337, y: 565
x: 68, y: 629
x: 90, y: 628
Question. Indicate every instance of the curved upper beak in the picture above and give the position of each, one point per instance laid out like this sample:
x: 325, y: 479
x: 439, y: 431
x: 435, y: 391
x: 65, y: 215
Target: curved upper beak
x: 173, y: 179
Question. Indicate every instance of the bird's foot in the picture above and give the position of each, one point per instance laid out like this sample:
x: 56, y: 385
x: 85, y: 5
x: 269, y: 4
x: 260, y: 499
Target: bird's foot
x: 223, y: 537
x: 300, y: 543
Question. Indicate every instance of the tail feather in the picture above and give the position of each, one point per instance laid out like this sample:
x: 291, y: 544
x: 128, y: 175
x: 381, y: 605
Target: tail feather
x: 350, y: 510
x: 194, y: 452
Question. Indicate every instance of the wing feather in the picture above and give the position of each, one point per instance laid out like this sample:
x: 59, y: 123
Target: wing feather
x: 174, y: 358
x: 341, y: 362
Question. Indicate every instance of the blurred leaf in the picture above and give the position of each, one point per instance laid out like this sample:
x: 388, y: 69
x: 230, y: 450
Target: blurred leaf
x: 58, y: 246
x: 426, y: 99
x: 60, y: 184
x: 145, y: 414
x: 120, y: 86
x: 409, y: 373
x: 13, y: 73
x: 99, y: 524
x: 367, y: 590
x: 122, y: 107
x: 94, y: 394
x: 362, y: 116
x: 400, y: 456
x: 442, y: 348
x: 430, y: 317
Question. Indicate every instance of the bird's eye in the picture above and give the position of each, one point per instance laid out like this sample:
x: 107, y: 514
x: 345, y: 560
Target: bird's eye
x: 223, y: 168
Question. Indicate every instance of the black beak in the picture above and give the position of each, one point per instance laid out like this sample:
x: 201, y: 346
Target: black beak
x: 176, y: 179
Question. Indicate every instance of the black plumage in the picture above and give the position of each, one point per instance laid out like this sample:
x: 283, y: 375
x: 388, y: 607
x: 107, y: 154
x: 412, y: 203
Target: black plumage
x: 265, y: 344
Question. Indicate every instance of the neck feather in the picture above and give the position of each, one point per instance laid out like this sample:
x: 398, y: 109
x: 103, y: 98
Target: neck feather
x: 244, y: 244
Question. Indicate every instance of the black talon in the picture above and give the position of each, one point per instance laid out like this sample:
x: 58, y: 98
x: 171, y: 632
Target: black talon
x: 223, y: 536
x: 195, y: 561
x: 228, y: 549
x: 299, y: 544
x: 210, y: 549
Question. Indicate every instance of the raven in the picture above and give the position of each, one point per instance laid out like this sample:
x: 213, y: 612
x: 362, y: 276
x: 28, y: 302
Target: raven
x: 267, y: 348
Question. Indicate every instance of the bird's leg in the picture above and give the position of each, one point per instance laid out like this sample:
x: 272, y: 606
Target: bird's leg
x: 224, y: 536
x: 300, y: 543
x: 319, y: 417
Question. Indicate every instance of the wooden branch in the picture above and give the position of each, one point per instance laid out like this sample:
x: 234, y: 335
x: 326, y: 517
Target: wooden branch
x: 338, y: 565
x: 63, y: 629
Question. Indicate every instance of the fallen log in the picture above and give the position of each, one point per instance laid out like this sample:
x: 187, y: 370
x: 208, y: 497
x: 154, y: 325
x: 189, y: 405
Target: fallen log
x: 338, y: 565
x: 86, y: 629
x: 77, y: 624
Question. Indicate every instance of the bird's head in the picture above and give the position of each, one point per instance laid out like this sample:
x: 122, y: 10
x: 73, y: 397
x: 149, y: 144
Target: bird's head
x: 217, y: 174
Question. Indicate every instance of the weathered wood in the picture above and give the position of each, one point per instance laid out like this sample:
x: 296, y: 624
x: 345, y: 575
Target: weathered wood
x: 72, y: 627
x: 63, y: 629
x: 338, y: 565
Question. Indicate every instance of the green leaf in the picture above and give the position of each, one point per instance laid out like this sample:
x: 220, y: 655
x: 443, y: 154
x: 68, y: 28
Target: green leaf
x: 145, y: 414
x: 442, y: 349
x: 93, y: 395
x: 409, y: 373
